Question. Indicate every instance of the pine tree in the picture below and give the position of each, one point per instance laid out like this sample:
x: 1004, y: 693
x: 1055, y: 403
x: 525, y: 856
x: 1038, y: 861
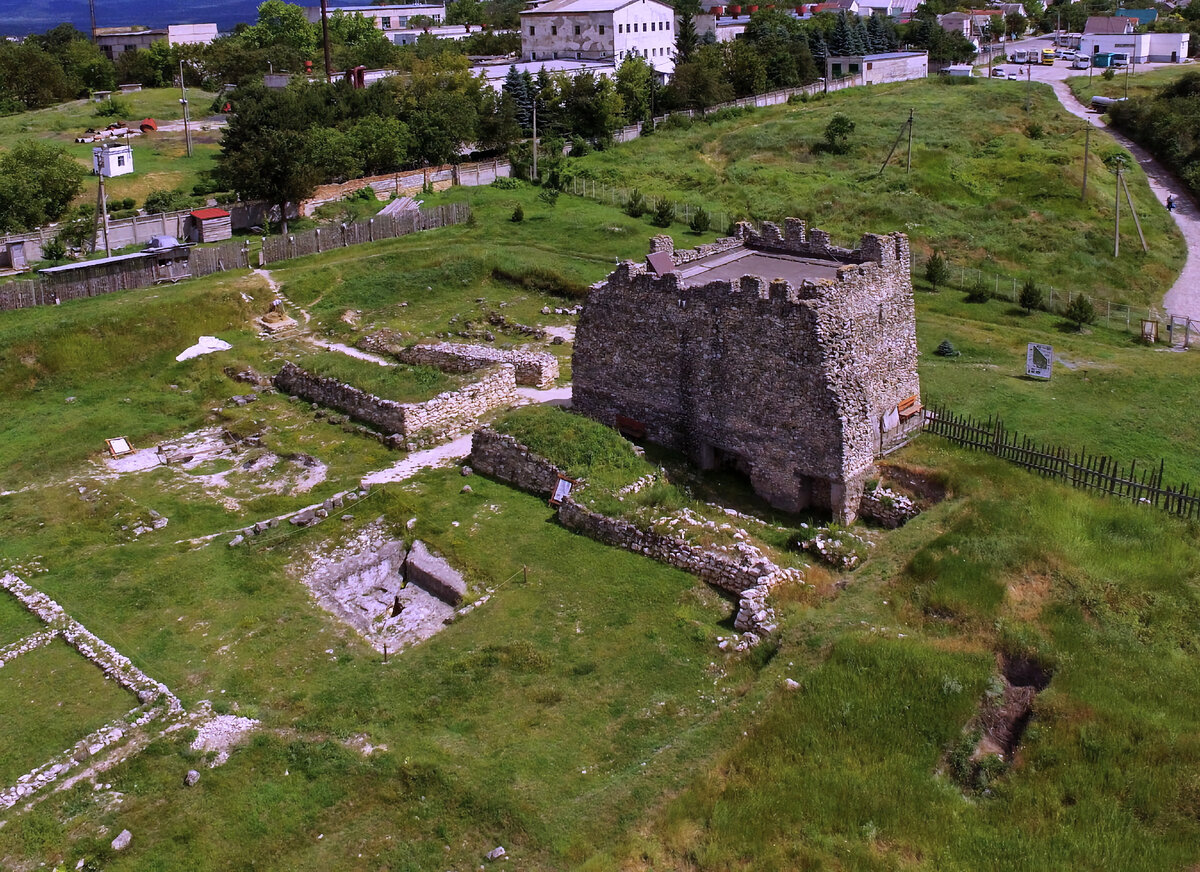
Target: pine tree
x: 820, y: 51
x: 517, y: 88
x: 860, y: 40
x: 841, y: 41
x: 806, y: 64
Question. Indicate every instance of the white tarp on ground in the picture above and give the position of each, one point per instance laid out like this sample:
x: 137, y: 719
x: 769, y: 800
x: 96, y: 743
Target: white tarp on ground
x: 205, y: 345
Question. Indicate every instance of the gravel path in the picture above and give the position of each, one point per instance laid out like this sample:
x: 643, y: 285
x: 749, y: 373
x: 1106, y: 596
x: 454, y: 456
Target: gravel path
x: 1183, y: 298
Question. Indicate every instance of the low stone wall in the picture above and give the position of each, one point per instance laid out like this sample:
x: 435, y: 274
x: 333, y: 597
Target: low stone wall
x: 887, y: 508
x: 716, y: 569
x: 454, y: 409
x: 444, y: 413
x: 535, y: 368
x: 503, y: 458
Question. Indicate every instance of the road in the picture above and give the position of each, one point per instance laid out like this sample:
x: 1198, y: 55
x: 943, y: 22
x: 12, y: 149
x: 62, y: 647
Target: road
x: 1183, y: 298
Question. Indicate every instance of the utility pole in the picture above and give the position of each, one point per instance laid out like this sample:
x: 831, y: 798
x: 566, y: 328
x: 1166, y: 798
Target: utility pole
x: 187, y: 128
x: 1028, y: 85
x: 1087, y: 141
x: 92, y: 9
x: 1132, y: 211
x: 908, y: 164
x: 1117, y: 226
x: 535, y: 174
x: 102, y: 207
x: 325, y: 39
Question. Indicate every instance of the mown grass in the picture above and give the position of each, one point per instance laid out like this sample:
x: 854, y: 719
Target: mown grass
x: 15, y: 621
x: 988, y: 188
x: 51, y: 698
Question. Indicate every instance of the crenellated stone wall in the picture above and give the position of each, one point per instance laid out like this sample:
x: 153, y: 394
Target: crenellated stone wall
x: 535, y: 368
x: 444, y: 413
x: 795, y: 385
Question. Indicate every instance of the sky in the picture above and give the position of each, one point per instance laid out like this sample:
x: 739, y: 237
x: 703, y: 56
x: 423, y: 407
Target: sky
x: 21, y: 17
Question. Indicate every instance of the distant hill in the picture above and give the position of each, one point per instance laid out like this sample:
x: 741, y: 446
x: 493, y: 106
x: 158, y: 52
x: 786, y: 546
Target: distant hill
x: 19, y: 18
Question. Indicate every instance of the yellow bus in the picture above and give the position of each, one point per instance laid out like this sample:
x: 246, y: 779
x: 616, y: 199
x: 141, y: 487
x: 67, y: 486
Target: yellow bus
x: 1048, y: 57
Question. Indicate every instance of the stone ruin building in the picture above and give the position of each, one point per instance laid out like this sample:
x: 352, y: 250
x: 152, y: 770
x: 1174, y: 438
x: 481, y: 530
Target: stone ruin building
x: 775, y: 353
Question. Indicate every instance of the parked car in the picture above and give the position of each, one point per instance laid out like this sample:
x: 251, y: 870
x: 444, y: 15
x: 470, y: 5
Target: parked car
x: 1080, y: 64
x: 998, y: 73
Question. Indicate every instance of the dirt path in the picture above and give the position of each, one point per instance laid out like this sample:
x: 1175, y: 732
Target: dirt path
x: 1183, y: 298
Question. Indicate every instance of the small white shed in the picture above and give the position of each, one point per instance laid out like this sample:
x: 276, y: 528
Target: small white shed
x: 112, y: 159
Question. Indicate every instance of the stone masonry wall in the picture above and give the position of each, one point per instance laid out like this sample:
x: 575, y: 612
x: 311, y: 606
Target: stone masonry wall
x: 503, y: 458
x: 716, y: 569
x: 752, y: 576
x: 443, y: 413
x: 789, y: 383
x: 535, y: 368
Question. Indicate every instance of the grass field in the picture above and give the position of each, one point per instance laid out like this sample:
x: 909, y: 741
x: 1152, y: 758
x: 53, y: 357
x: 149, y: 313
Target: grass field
x: 1131, y: 84
x: 999, y: 192
x: 50, y: 698
x: 15, y: 621
x: 160, y: 159
x: 583, y: 717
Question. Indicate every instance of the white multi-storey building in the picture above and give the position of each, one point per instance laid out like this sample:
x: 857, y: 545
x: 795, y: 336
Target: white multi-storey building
x: 387, y: 18
x: 600, y: 30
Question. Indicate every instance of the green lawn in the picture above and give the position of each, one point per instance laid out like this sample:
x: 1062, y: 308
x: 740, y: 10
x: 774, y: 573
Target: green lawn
x: 15, y: 621
x: 160, y: 159
x: 51, y: 698
x: 583, y: 716
x: 1122, y: 84
x: 402, y: 383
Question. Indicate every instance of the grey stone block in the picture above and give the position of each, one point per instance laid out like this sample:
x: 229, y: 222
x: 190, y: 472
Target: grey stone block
x: 432, y: 573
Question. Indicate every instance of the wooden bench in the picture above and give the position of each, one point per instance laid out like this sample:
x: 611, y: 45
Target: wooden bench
x: 908, y: 407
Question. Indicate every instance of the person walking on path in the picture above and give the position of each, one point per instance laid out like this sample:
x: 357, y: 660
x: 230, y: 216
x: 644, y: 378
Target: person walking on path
x: 1170, y: 202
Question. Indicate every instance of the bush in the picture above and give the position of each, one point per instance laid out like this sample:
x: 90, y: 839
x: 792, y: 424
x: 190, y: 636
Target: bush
x: 55, y: 250
x: 167, y: 201
x: 549, y: 196
x: 580, y: 146
x: 128, y: 203
x: 732, y: 230
x: 945, y: 349
x: 113, y: 107
x: 700, y: 221
x: 664, y: 213
x: 1080, y: 311
x: 837, y: 134
x: 518, y: 215
x: 979, y: 292
x: 1031, y: 296
x: 505, y: 183
x: 635, y: 206
x: 1034, y: 130
x: 937, y: 271
x: 1108, y: 75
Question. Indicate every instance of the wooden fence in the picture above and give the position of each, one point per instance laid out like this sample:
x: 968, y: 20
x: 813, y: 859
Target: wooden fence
x: 1081, y: 470
x: 276, y: 248
x: 123, y: 275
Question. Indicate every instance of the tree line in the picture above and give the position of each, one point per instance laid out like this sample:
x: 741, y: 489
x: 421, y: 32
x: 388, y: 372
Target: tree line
x: 1168, y: 124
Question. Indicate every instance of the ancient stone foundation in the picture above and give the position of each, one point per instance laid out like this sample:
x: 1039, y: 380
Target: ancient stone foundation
x: 534, y: 368
x: 503, y: 458
x: 444, y: 413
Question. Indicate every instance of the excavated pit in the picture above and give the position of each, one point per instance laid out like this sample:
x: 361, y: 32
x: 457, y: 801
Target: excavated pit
x: 361, y: 582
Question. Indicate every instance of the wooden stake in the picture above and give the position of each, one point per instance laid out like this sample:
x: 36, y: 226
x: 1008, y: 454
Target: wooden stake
x: 1133, y: 212
x: 1087, y: 141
